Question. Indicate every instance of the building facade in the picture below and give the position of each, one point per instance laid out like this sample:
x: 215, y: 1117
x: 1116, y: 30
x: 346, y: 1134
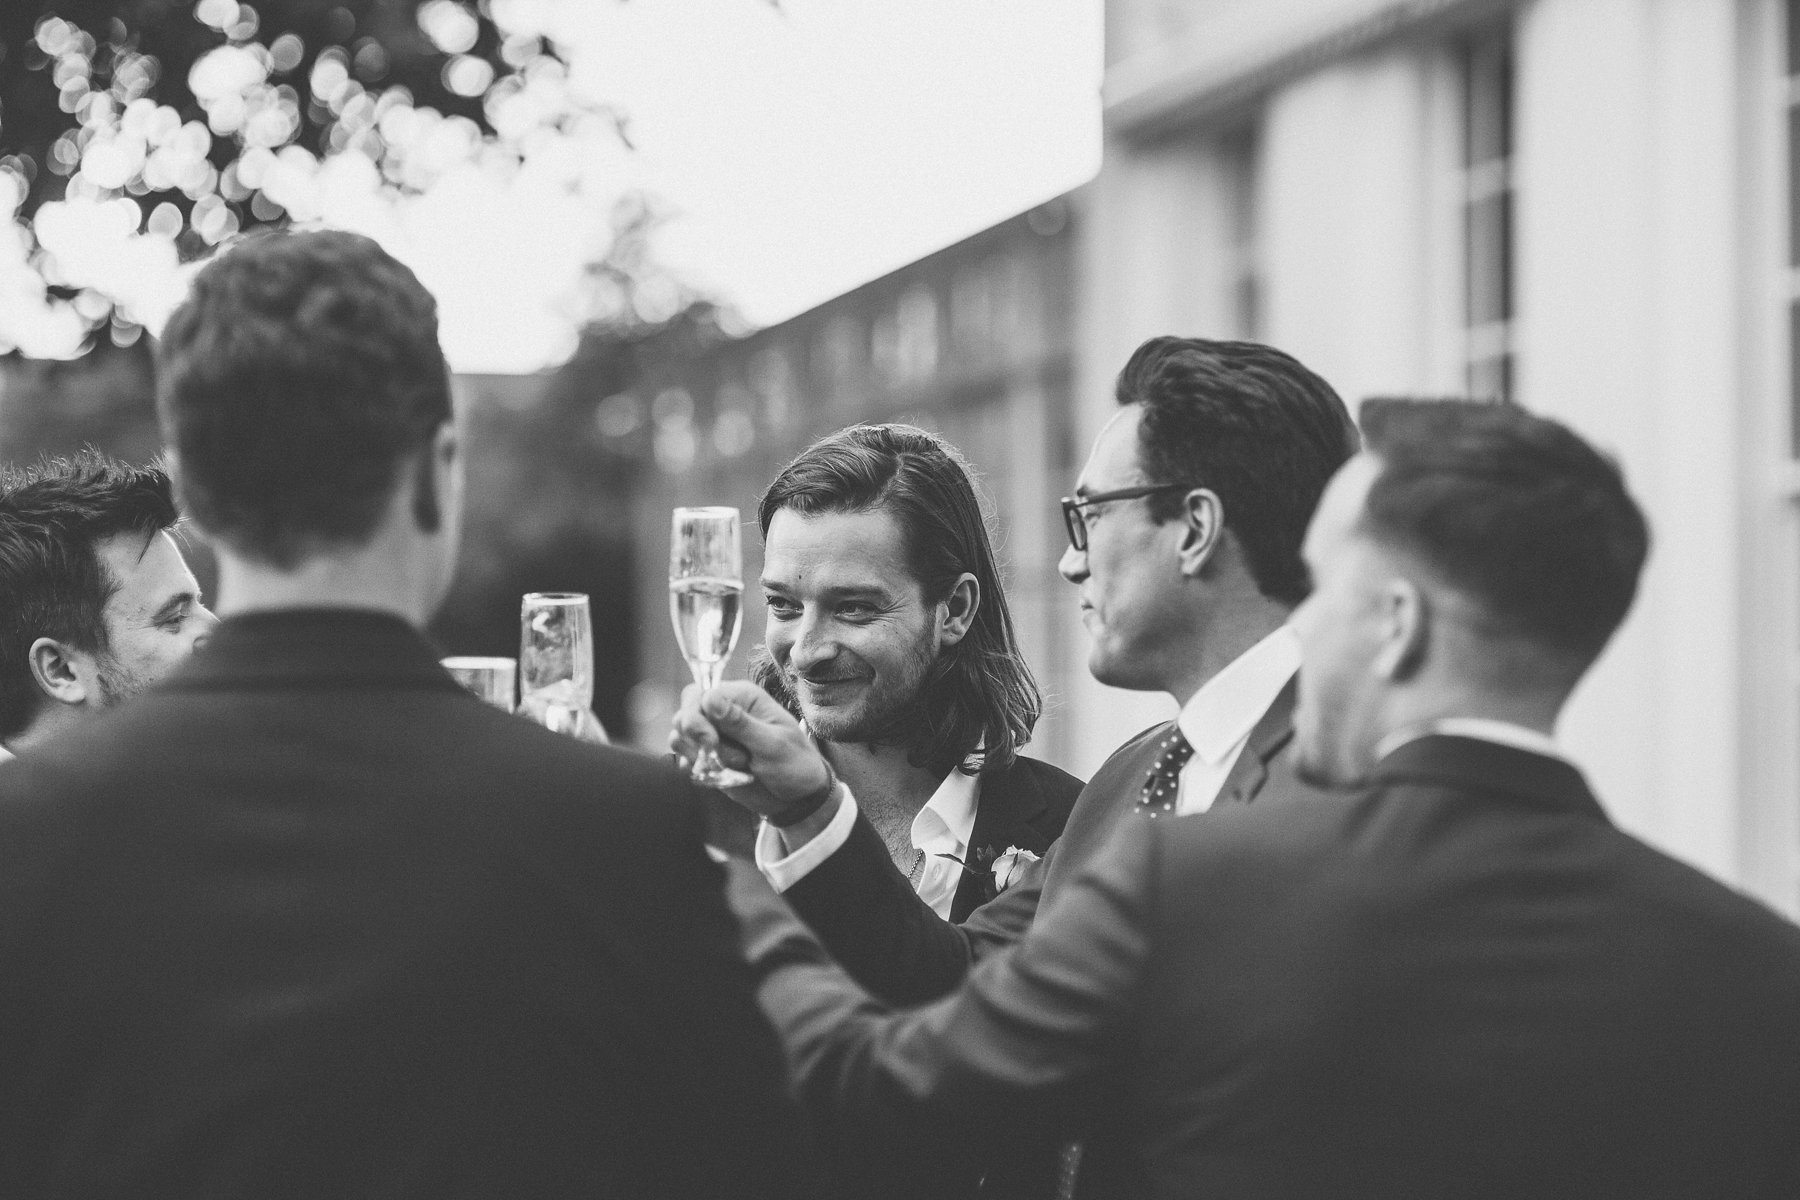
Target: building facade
x: 1590, y: 207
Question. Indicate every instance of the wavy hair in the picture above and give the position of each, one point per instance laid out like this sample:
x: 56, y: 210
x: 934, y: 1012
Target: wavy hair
x: 979, y: 702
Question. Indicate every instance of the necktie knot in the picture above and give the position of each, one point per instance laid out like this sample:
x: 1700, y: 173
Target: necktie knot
x: 1163, y: 784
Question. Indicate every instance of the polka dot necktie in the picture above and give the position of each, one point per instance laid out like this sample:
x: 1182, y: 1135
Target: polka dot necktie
x: 1163, y: 784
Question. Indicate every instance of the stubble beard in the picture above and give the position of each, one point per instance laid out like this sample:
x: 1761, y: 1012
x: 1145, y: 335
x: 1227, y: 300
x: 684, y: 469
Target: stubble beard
x: 888, y: 713
x: 117, y: 683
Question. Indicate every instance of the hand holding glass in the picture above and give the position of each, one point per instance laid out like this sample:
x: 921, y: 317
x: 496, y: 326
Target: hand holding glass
x: 706, y: 588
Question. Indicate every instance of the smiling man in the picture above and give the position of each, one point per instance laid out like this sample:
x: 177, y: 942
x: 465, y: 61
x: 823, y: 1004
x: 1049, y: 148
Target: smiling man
x: 889, y: 636
x: 96, y: 602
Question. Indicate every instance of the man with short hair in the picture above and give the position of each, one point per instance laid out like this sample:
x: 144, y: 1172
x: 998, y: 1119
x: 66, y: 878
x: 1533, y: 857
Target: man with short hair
x: 889, y: 635
x: 96, y: 601
x: 1453, y: 978
x: 309, y: 919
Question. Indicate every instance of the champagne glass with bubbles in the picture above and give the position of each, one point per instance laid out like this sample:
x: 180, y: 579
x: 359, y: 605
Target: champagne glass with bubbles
x: 706, y: 589
x: 556, y: 664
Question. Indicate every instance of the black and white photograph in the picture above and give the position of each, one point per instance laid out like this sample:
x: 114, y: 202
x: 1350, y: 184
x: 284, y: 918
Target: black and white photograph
x: 933, y: 600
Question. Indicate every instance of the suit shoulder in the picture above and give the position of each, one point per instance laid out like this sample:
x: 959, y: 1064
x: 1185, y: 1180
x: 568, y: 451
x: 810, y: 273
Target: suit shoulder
x: 1058, y: 786
x: 1137, y: 748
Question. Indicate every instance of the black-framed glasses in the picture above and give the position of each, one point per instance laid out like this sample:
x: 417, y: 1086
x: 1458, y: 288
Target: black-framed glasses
x: 1077, y: 527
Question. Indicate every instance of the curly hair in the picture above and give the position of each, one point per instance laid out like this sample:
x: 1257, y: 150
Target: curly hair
x: 979, y: 703
x: 1254, y: 425
x: 53, y: 515
x: 294, y: 382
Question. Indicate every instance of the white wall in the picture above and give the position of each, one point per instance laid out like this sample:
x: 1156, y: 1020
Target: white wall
x: 1361, y: 225
x: 1627, y: 301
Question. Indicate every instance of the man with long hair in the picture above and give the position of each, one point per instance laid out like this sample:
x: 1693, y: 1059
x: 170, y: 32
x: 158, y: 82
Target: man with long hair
x: 96, y: 601
x: 889, y: 636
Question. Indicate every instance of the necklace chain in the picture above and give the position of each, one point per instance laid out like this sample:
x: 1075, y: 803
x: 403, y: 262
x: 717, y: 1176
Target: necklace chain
x: 918, y: 867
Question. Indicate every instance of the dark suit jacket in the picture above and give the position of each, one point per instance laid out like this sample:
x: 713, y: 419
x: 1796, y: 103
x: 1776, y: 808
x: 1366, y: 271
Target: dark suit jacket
x: 1026, y: 806
x: 870, y: 918
x: 310, y: 920
x: 1462, y: 981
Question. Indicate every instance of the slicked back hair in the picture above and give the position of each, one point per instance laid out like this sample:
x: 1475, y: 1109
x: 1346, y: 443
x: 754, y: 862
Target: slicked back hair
x: 1514, y: 511
x: 1250, y: 423
x: 53, y: 515
x: 295, y: 381
x: 979, y: 703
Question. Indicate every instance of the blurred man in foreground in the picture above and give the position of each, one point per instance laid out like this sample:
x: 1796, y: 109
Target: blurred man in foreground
x: 889, y: 635
x: 311, y: 920
x: 1458, y: 980
x: 96, y: 602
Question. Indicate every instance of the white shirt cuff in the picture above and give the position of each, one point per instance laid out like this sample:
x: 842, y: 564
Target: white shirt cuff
x: 784, y: 873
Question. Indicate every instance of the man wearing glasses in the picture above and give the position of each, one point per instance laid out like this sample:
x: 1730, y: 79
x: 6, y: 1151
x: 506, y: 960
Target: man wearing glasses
x: 1185, y: 533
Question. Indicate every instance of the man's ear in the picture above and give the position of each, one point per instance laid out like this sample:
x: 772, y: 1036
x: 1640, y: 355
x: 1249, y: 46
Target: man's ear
x: 434, y: 478
x: 52, y: 668
x: 1405, y: 630
x: 1203, y: 527
x: 957, y: 613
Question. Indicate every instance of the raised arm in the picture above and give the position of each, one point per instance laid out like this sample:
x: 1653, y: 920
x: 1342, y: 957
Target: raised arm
x: 1016, y: 1050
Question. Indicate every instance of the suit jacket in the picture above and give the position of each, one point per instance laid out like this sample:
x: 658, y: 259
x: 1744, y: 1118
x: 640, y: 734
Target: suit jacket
x: 310, y: 920
x: 893, y: 944
x: 1025, y: 806
x: 1461, y: 981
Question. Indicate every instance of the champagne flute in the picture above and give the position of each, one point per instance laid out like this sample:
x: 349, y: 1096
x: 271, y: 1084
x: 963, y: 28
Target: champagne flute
x: 556, y: 664
x: 706, y: 588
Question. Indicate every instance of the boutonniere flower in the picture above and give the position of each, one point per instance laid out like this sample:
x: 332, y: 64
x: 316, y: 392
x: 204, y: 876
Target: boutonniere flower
x: 1009, y: 864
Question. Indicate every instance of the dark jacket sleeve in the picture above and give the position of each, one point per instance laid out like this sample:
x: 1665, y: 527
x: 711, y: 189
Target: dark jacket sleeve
x: 1015, y: 1051
x: 724, y: 1071
x: 889, y: 940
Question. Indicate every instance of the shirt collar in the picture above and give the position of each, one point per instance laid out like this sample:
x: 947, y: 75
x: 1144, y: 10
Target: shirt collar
x: 1217, y: 718
x: 1485, y: 729
x: 947, y: 822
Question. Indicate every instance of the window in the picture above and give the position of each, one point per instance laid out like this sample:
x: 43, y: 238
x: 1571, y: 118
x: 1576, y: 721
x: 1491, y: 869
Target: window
x: 1238, y: 150
x: 1487, y: 63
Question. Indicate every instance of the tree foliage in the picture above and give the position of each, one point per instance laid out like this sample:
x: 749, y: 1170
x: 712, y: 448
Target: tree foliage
x: 213, y: 116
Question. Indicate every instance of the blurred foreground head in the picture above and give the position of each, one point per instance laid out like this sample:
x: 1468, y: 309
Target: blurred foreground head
x: 96, y: 602
x: 886, y: 620
x: 307, y: 404
x: 1473, y: 561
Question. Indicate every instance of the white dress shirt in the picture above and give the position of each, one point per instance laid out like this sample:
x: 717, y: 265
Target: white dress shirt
x: 941, y: 830
x: 1218, y: 719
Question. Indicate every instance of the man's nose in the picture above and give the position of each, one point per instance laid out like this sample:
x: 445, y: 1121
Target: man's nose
x: 204, y: 622
x: 812, y: 644
x: 1073, y: 565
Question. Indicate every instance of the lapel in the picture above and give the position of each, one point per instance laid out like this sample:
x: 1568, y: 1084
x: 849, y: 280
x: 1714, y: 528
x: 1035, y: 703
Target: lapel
x: 314, y: 648
x: 1270, y: 736
x: 1009, y: 802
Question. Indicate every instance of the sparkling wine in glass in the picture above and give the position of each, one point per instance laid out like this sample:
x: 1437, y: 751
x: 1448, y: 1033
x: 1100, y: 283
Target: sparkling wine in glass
x: 706, y: 590
x: 556, y: 664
